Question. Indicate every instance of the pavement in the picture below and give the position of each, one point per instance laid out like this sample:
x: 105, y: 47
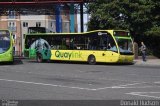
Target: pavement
x: 149, y: 62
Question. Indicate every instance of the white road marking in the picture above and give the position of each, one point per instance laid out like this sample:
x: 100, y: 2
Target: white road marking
x: 104, y: 78
x: 130, y: 84
x: 44, y: 84
x: 147, y: 92
x: 144, y: 94
x: 126, y: 86
x: 92, y: 89
x: 119, y: 86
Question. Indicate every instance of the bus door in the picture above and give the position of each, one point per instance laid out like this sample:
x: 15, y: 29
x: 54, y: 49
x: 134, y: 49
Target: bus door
x: 112, y: 50
x: 30, y: 50
x: 46, y: 51
x: 32, y: 53
x: 43, y: 49
x: 102, y: 46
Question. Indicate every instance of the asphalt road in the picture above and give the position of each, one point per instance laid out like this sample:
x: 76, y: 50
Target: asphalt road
x: 28, y: 80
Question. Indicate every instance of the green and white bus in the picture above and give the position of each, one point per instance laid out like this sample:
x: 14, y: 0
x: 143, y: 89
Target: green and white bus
x: 6, y: 46
x: 108, y: 46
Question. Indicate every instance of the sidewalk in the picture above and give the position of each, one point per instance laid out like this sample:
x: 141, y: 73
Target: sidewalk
x: 149, y: 62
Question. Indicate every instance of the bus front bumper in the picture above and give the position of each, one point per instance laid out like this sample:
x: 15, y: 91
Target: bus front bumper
x: 6, y: 57
x: 126, y: 59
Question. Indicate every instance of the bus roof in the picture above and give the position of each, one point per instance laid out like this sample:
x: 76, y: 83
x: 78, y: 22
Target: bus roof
x: 111, y: 31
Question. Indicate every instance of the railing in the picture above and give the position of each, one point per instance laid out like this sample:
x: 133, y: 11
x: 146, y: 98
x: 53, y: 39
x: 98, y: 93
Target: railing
x: 13, y: 29
x: 11, y: 17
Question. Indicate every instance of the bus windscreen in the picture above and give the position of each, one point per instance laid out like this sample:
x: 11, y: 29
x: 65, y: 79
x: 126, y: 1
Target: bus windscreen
x: 4, y: 41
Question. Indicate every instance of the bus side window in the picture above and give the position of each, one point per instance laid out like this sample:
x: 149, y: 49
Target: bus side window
x: 92, y: 41
x: 103, y: 42
x: 71, y: 43
x: 67, y: 42
x: 27, y: 44
x: 79, y: 42
x: 63, y: 45
x: 88, y: 43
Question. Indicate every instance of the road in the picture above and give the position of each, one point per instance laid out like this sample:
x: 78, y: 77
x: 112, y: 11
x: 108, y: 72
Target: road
x: 28, y: 80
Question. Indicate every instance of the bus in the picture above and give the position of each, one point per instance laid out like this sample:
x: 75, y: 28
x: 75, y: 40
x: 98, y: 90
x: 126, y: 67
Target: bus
x: 39, y: 30
x: 36, y: 30
x: 6, y: 46
x: 108, y: 46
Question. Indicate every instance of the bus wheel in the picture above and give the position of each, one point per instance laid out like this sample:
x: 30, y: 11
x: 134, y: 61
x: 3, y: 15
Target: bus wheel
x: 39, y: 58
x: 92, y: 60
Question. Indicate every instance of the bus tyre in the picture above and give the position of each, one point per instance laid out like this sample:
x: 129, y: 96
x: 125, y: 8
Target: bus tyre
x: 92, y: 60
x: 39, y: 58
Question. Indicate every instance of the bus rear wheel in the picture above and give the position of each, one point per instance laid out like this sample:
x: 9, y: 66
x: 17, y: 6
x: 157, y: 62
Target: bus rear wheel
x: 92, y: 60
x: 39, y: 58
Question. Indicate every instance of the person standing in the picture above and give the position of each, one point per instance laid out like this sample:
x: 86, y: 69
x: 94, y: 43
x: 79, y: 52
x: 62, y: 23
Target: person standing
x: 143, y: 51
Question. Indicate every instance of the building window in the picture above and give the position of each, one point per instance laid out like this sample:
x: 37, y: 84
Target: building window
x: 52, y: 24
x: 14, y: 36
x: 65, y: 27
x: 14, y: 50
x: 38, y: 24
x: 12, y: 26
x: 25, y: 24
x: 11, y: 14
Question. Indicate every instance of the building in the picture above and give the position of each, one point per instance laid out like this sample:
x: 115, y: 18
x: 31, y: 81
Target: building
x: 13, y: 23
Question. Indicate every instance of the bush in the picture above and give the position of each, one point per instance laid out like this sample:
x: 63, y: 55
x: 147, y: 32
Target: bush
x: 153, y: 45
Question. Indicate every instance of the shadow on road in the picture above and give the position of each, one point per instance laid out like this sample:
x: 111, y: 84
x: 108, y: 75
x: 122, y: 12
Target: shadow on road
x: 79, y: 63
x: 17, y: 61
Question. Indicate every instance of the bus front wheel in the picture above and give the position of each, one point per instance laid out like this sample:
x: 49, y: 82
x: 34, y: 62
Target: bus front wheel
x: 39, y: 58
x: 92, y: 60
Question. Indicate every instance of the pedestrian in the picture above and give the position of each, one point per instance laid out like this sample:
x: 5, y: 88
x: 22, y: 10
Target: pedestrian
x: 143, y: 51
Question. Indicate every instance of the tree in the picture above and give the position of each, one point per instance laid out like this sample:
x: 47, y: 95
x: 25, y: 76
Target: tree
x: 107, y: 14
x: 141, y: 17
x: 155, y: 29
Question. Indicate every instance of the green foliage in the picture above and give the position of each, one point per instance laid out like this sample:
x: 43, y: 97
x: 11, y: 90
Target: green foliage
x: 155, y: 31
x: 153, y: 44
x: 138, y: 16
x: 107, y: 14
